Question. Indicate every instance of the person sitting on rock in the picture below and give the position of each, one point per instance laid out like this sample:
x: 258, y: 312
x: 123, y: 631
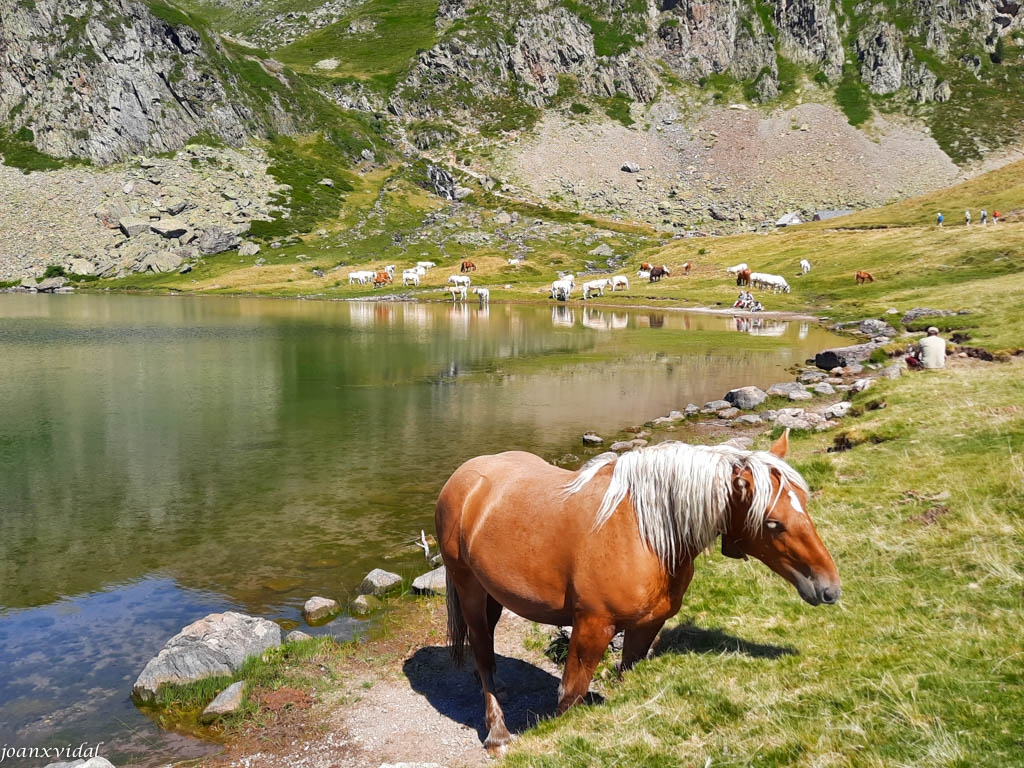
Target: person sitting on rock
x: 931, y: 352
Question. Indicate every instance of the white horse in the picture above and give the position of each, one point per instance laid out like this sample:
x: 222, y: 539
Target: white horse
x: 458, y: 292
x: 361, y: 276
x: 594, y: 286
x: 462, y: 280
x: 484, y: 294
x: 425, y: 264
x: 410, y: 276
x: 561, y: 289
x: 805, y: 266
x: 643, y: 274
x: 737, y: 269
x: 620, y: 281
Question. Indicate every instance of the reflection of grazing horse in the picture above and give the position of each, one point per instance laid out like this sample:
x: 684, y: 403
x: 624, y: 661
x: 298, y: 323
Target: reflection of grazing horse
x: 743, y: 277
x: 468, y: 266
x: 863, y: 277
x: 611, y: 547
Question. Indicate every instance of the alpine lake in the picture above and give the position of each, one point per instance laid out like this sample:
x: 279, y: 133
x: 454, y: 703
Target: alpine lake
x: 162, y: 458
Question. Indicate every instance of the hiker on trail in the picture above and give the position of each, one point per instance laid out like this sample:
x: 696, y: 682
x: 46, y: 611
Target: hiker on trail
x: 939, y: 219
x: 967, y: 217
x: 995, y: 217
x: 931, y: 352
x: 984, y: 217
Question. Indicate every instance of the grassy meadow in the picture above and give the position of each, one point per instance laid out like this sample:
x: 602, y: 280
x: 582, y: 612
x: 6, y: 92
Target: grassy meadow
x: 921, y: 662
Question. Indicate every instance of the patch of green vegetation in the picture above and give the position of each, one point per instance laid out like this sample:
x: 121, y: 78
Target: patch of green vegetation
x: 302, y: 164
x: 172, y: 15
x: 392, y: 31
x: 579, y: 109
x: 206, y: 139
x: 54, y: 270
x: 614, y: 33
x: 853, y: 98
x: 18, y: 152
x: 617, y: 108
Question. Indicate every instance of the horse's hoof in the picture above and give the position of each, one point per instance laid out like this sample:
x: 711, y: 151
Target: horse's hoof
x: 497, y: 751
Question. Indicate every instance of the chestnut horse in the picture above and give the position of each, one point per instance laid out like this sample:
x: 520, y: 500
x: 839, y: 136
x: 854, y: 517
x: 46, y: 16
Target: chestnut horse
x: 611, y: 547
x: 743, y: 277
x: 468, y: 266
x: 864, y: 277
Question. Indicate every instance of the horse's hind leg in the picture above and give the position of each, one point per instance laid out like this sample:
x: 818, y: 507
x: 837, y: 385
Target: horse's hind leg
x: 494, y: 609
x: 481, y: 613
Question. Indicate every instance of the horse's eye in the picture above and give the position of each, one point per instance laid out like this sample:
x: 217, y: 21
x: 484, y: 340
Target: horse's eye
x: 774, y: 525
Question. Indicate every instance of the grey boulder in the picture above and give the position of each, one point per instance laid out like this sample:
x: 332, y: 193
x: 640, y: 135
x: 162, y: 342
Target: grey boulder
x: 216, y: 240
x: 319, y: 608
x: 746, y: 398
x: 843, y: 356
x: 216, y: 645
x: 378, y: 582
x: 876, y: 328
x: 784, y: 389
x: 434, y: 582
x: 226, y: 702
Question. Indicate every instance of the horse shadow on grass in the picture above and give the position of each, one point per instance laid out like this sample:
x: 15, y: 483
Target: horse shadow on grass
x: 689, y: 638
x: 532, y: 693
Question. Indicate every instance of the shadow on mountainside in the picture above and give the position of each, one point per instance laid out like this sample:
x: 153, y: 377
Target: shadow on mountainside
x: 531, y: 692
x: 688, y: 638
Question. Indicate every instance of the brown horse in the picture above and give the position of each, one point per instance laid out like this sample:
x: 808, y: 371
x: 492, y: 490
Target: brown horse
x: 658, y: 272
x: 743, y: 277
x: 468, y: 266
x: 864, y: 277
x: 381, y: 279
x: 687, y: 267
x: 611, y: 547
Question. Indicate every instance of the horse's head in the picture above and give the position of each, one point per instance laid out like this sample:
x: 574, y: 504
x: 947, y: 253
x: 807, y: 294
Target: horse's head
x: 786, y: 541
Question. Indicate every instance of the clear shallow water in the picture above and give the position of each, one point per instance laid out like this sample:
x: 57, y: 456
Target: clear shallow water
x: 162, y: 458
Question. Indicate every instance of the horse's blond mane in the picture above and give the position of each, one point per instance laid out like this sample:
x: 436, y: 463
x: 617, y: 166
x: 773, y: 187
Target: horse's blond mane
x: 681, y: 492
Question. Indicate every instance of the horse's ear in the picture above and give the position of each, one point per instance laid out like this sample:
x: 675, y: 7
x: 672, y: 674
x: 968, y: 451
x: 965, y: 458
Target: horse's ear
x: 781, y: 446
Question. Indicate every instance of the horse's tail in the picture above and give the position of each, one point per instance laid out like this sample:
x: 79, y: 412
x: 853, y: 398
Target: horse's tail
x: 456, y: 623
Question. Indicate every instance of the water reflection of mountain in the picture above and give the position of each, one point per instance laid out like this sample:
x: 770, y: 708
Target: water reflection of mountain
x: 269, y: 449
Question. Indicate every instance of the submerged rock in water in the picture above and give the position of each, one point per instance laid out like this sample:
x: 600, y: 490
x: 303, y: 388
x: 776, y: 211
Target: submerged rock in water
x: 319, y: 608
x: 215, y: 645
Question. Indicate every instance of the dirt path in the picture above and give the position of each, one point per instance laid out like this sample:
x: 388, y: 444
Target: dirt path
x: 418, y: 710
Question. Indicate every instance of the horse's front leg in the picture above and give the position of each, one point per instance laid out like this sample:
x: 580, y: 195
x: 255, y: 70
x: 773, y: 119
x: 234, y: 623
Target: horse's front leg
x: 637, y: 643
x: 590, y: 638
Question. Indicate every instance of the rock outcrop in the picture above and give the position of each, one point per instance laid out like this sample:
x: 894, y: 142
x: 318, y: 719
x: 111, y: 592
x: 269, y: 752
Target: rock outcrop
x: 216, y: 645
x: 104, y: 79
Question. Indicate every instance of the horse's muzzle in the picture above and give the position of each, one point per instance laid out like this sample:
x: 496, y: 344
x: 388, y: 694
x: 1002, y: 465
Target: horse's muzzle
x: 816, y: 591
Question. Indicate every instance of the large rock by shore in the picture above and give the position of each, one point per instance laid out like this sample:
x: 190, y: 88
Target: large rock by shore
x: 840, y: 357
x: 216, y: 645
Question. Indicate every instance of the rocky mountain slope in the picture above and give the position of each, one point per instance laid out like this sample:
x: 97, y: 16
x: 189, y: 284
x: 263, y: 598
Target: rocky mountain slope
x: 734, y: 111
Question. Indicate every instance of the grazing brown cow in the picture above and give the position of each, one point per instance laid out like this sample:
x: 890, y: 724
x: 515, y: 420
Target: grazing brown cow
x: 658, y: 272
x: 864, y: 277
x: 381, y: 279
x: 468, y: 266
x: 686, y: 267
x: 743, y: 277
